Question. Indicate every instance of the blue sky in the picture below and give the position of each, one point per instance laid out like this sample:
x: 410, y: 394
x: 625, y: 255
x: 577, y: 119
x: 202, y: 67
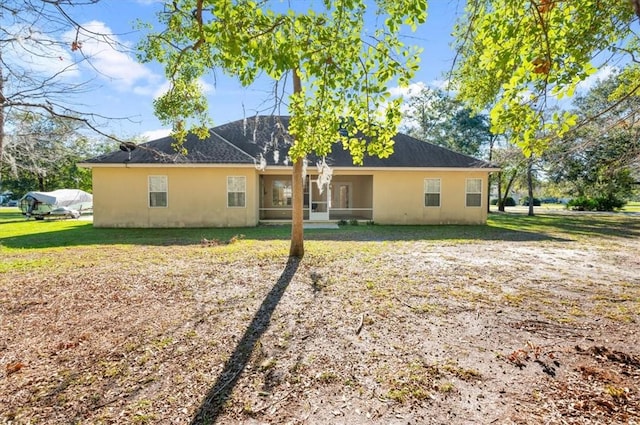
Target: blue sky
x: 125, y: 88
x: 122, y: 87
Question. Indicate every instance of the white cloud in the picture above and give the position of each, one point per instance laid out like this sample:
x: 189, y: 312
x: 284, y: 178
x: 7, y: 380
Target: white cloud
x: 102, y: 55
x: 206, y: 87
x: 155, y: 134
x: 407, y: 92
x: 414, y: 89
x: 38, y: 53
x: 602, y: 74
x: 118, y: 67
x: 442, y: 84
x: 162, y: 89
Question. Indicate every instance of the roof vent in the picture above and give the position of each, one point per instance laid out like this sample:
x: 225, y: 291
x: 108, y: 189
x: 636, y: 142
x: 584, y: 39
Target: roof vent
x: 127, y: 146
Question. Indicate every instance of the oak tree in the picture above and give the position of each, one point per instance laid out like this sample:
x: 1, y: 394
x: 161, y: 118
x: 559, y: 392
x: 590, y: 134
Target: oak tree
x: 339, y: 67
x: 519, y: 57
x: 599, y: 158
x: 41, y: 153
x: 41, y: 45
x: 441, y: 119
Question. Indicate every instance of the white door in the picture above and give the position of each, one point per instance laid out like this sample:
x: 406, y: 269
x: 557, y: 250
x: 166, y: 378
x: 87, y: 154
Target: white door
x: 319, y: 202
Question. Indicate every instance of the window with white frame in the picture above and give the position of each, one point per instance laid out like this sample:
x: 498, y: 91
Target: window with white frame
x: 474, y: 192
x: 431, y: 192
x: 236, y: 191
x: 158, y: 191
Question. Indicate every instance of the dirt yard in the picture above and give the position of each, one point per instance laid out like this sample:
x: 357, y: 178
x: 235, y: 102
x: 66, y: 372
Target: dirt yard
x: 515, y: 328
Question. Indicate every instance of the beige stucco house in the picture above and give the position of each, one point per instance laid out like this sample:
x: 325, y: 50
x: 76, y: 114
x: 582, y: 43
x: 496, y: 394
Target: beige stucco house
x: 241, y: 176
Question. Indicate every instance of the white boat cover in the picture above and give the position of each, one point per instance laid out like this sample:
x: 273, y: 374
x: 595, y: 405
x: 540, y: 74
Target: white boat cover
x: 63, y: 202
x: 62, y: 197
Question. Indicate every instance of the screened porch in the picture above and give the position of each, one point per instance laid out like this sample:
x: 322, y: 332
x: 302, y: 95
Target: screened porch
x: 348, y: 197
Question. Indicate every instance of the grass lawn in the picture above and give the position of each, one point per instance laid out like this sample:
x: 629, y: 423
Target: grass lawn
x: 18, y: 233
x: 524, y: 320
x: 632, y: 207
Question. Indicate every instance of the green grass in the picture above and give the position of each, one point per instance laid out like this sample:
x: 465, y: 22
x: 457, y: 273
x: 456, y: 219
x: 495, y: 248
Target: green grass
x: 18, y: 233
x: 632, y: 207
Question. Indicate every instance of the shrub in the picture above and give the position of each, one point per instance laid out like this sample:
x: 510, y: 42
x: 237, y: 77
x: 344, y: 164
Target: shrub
x: 581, y: 203
x: 536, y: 202
x: 508, y: 202
x: 601, y: 203
x: 609, y: 203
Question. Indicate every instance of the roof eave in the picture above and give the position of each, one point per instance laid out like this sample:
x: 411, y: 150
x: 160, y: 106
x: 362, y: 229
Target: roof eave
x: 278, y: 167
x: 160, y: 165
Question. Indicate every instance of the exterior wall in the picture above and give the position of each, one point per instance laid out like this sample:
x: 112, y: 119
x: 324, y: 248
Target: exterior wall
x: 398, y: 198
x: 197, y: 197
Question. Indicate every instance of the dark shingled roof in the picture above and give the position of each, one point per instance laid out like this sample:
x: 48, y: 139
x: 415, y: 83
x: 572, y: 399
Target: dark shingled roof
x: 246, y: 141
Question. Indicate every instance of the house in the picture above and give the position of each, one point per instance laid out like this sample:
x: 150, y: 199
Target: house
x: 241, y: 176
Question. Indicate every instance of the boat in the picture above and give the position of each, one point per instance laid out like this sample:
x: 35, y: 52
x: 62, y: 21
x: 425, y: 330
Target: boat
x: 62, y: 203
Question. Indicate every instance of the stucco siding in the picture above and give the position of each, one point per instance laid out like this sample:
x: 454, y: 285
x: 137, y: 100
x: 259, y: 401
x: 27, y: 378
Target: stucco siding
x: 398, y: 198
x: 196, y: 197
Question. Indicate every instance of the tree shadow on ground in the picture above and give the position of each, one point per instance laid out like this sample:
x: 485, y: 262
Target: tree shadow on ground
x: 213, y: 403
x: 500, y: 227
x: 85, y: 234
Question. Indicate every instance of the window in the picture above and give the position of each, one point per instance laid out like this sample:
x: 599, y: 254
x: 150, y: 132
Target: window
x: 431, y: 192
x: 158, y: 191
x: 474, y: 192
x: 282, y: 193
x: 236, y: 188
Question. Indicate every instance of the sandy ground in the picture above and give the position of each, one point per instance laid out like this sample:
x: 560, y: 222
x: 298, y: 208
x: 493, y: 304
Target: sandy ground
x: 537, y: 329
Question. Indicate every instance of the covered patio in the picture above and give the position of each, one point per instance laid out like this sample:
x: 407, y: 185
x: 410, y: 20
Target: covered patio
x: 348, y: 197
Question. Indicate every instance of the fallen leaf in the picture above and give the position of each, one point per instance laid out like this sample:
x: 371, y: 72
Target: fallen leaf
x: 14, y: 367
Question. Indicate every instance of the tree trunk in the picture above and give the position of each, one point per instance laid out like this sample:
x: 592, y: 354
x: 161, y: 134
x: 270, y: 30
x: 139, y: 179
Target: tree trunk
x: 530, y: 184
x: 297, y: 225
x: 489, y: 181
x: 2, y: 100
x: 507, y: 188
x: 491, y: 176
x: 297, y: 198
x: 500, y: 198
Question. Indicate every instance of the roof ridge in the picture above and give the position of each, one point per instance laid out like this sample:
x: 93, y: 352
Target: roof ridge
x: 212, y: 132
x: 415, y: 139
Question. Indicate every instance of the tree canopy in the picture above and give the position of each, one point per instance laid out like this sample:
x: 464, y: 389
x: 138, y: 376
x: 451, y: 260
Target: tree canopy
x: 41, y: 154
x: 40, y: 46
x: 517, y: 58
x: 444, y: 120
x: 599, y: 158
x: 344, y: 70
x: 341, y: 70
